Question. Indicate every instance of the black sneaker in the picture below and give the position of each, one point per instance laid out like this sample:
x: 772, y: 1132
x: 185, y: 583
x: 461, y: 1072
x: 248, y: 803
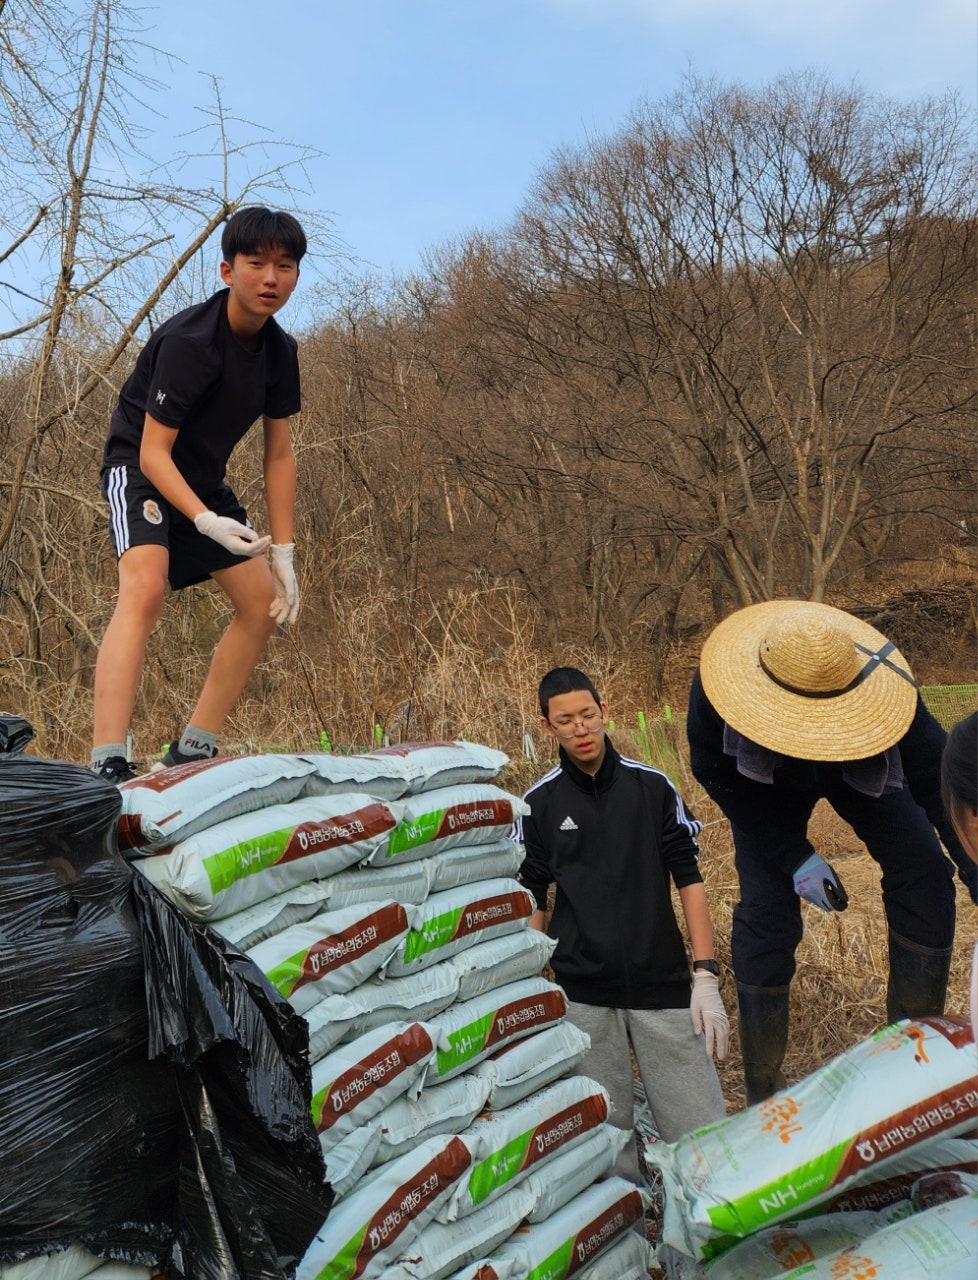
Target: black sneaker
x: 116, y: 769
x: 175, y: 756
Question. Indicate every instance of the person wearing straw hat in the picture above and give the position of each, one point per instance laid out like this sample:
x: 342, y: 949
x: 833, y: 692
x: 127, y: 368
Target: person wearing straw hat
x: 794, y: 702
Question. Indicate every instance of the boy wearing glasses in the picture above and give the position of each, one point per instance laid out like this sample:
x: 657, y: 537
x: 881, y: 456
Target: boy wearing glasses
x: 612, y: 834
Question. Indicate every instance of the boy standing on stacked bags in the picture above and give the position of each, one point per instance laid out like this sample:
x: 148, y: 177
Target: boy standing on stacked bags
x: 199, y: 384
x: 613, y: 835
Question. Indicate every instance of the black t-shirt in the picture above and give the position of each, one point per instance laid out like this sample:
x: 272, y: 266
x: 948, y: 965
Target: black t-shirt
x: 194, y: 375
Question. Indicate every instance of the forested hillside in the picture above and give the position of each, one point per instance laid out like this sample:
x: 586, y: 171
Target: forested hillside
x: 724, y: 355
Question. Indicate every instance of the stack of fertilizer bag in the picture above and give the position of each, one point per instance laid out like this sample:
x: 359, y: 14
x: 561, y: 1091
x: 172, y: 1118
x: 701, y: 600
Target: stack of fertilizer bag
x: 377, y: 894
x: 154, y: 1113
x: 865, y: 1168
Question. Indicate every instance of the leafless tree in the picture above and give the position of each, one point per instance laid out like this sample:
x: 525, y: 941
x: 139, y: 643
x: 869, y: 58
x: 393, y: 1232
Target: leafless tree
x: 94, y: 230
x: 783, y: 276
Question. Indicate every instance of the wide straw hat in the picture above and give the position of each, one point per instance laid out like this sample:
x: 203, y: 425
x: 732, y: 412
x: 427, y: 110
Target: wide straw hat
x: 809, y: 681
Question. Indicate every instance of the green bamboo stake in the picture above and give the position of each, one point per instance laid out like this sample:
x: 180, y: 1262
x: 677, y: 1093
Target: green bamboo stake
x: 643, y: 735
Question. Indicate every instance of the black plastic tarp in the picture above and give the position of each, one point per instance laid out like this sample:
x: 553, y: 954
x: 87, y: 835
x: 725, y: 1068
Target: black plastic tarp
x: 154, y: 1088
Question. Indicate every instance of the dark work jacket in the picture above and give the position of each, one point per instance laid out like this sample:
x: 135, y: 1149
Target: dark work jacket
x: 920, y: 755
x: 611, y: 842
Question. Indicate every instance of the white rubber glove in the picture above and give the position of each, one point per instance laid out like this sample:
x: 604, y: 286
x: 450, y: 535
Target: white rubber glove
x: 231, y: 534
x: 816, y: 882
x: 709, y: 1015
x: 285, y: 606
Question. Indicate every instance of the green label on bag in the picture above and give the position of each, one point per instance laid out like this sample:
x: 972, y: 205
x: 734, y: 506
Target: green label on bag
x: 556, y: 1266
x: 285, y: 977
x: 464, y: 1043
x: 408, y: 835
x: 789, y: 1194
x: 499, y: 1168
x: 434, y: 933
x: 347, y: 1263
x: 230, y: 865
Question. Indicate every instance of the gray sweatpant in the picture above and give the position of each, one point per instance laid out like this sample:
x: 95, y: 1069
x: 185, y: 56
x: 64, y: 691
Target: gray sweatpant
x: 681, y: 1082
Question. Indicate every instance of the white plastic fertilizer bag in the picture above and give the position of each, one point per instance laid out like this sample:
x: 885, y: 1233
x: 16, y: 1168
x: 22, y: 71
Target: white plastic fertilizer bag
x: 447, y: 817
x: 470, y: 1030
x: 356, y: 1081
x: 331, y: 772
x: 483, y: 1269
x: 939, y: 1242
x: 439, y: 1250
x: 427, y: 766
x: 575, y: 1236
x: 799, y: 1149
x: 894, y: 1180
x: 251, y: 925
x: 408, y: 882
x: 570, y: 1171
x: 160, y: 808
x: 237, y: 863
x: 522, y: 1067
x: 376, y: 1003
x: 507, y: 958
x: 386, y: 1211
x: 775, y: 1250
x: 350, y: 1158
x: 441, y: 1108
x: 465, y: 863
x: 629, y: 1258
x: 332, y: 952
x: 524, y: 1136
x: 73, y: 1263
x: 456, y: 919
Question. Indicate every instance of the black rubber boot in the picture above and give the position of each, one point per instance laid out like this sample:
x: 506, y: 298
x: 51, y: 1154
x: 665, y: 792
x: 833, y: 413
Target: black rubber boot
x: 918, y: 979
x: 763, y: 1039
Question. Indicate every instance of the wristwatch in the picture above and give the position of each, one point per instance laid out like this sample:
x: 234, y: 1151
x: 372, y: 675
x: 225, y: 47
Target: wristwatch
x: 710, y: 966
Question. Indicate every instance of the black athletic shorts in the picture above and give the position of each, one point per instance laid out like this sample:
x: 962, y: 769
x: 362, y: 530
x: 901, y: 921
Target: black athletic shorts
x: 139, y: 516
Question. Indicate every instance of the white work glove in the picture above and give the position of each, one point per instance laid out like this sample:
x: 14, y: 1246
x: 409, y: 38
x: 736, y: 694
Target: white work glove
x: 231, y: 534
x: 709, y: 1015
x: 816, y: 882
x: 285, y: 606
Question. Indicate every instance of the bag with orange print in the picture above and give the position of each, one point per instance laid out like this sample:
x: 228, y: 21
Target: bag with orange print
x: 797, y: 1150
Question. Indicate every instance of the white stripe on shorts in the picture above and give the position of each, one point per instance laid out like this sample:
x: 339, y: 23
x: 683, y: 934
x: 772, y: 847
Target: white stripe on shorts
x: 116, y: 492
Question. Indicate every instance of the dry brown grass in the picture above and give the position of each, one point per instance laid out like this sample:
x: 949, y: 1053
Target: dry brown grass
x: 470, y: 668
x: 839, y: 992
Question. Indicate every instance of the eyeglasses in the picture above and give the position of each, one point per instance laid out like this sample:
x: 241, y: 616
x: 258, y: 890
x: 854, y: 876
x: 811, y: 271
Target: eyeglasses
x: 588, y: 722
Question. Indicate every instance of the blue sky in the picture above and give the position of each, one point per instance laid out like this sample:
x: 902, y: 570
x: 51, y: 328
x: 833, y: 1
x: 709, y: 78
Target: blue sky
x: 434, y: 116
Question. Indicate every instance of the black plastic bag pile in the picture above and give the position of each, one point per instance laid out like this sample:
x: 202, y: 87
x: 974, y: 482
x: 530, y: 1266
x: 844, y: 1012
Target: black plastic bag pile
x: 154, y: 1089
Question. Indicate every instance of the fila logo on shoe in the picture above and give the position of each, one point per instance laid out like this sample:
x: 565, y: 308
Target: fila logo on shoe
x: 568, y: 824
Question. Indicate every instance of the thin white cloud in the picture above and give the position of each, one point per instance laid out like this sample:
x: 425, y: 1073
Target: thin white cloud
x: 948, y: 18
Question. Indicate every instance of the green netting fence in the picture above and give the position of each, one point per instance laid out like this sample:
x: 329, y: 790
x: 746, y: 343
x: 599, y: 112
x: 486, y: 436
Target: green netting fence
x: 950, y: 703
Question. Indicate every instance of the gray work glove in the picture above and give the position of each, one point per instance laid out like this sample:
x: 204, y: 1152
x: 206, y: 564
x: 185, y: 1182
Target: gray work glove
x: 231, y: 534
x: 816, y: 882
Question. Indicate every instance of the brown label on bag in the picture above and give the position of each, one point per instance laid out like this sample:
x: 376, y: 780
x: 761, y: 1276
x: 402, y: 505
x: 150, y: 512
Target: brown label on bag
x: 603, y: 1228
x: 338, y: 949
x: 523, y: 1016
x: 414, y: 1195
x: 370, y: 1075
x: 343, y: 828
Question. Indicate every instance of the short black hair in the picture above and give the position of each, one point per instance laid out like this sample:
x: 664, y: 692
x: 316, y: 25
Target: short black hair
x: 256, y: 227
x: 959, y: 767
x: 564, y: 680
